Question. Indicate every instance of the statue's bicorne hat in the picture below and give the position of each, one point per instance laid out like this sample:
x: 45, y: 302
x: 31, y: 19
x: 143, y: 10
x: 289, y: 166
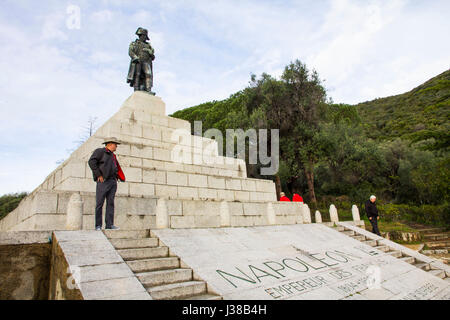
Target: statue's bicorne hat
x: 140, y: 31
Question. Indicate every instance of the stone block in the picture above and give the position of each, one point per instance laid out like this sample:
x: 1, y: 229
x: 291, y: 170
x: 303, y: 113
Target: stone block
x: 265, y: 186
x: 140, y: 151
x: 287, y: 219
x: 160, y: 120
x: 257, y: 196
x: 132, y: 174
x: 215, y: 182
x: 154, y: 176
x: 233, y: 184
x: 196, y: 180
x: 242, y: 221
x: 225, y: 194
x: 248, y: 185
x: 182, y: 222
x: 187, y: 193
x: 206, y: 193
x: 141, y: 100
x: 123, y: 150
x: 242, y: 196
x: 161, y: 154
x: 179, y: 124
x: 75, y: 168
x: 45, y: 202
x: 153, y: 164
x: 126, y: 162
x: 131, y: 129
x: 208, y: 221
x: 201, y: 208
x: 112, y: 287
x: 142, y: 189
x: 254, y: 209
x: 166, y: 191
x: 177, y: 179
x: 174, y: 207
x: 151, y: 132
x: 173, y: 166
x: 236, y: 208
x: 104, y: 272
x: 123, y: 189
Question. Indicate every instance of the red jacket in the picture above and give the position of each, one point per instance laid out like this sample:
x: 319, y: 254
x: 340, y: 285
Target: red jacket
x: 297, y: 198
x: 284, y: 198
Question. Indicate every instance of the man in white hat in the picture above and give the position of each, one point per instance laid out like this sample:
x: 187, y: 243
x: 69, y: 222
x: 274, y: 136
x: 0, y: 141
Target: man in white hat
x: 106, y: 170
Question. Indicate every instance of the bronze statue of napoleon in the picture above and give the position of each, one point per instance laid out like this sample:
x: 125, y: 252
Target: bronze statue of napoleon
x: 140, y: 73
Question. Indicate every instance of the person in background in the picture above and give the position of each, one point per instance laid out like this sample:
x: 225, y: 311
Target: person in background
x: 283, y: 197
x: 297, y: 198
x: 372, y: 214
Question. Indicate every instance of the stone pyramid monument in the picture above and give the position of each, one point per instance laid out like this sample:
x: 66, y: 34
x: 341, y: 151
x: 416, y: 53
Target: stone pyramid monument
x: 200, y: 229
x: 163, y: 163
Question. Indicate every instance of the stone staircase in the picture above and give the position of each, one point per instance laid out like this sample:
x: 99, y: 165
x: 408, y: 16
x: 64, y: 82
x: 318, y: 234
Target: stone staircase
x: 393, y: 252
x: 163, y: 275
x: 437, y: 241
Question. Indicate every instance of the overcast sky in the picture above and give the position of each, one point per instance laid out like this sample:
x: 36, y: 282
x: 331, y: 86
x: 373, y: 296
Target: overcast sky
x: 55, y: 74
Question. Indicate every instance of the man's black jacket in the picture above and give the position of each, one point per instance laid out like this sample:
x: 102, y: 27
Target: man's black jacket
x: 371, y: 209
x: 102, y: 164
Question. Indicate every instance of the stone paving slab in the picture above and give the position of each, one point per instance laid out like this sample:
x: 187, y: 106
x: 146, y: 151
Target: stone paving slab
x: 298, y: 262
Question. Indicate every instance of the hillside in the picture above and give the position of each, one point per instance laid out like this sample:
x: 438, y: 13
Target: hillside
x: 416, y: 115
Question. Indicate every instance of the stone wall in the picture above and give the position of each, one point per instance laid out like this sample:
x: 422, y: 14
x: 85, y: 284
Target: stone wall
x: 24, y: 265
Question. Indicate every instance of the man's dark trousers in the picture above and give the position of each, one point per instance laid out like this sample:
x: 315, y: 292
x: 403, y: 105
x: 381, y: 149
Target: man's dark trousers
x: 374, y: 224
x: 105, y: 190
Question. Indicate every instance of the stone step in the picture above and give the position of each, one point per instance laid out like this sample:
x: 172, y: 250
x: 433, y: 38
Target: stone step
x: 175, y: 291
x: 447, y: 279
x: 430, y: 230
x: 161, y: 277
x: 349, y: 232
x: 395, y: 253
x: 438, y: 244
x: 382, y: 248
x: 436, y: 236
x: 144, y: 253
x: 423, y: 265
x: 134, y: 243
x: 127, y: 234
x: 409, y: 260
x: 339, y: 228
x: 206, y: 296
x: 154, y: 264
x: 359, y: 238
x: 372, y: 243
x: 438, y: 273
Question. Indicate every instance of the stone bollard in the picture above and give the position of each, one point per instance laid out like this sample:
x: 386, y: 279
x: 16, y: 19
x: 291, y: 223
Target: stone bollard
x: 162, y: 216
x: 225, y: 218
x: 306, y: 214
x: 355, y: 213
x: 318, y: 217
x: 74, y: 217
x: 333, y: 214
x: 271, y: 216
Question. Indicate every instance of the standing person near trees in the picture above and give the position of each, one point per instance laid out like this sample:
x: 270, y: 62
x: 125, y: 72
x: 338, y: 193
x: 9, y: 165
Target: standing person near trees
x: 372, y: 214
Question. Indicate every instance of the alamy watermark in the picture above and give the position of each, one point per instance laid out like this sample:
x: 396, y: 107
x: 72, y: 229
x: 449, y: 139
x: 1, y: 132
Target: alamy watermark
x: 374, y: 277
x: 73, y: 20
x: 203, y: 149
